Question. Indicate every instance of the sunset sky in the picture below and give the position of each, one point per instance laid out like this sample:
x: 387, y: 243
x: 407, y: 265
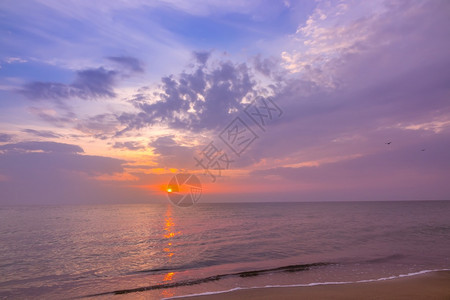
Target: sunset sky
x: 105, y: 101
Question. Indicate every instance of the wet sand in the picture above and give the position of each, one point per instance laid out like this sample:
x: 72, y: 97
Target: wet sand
x: 434, y: 285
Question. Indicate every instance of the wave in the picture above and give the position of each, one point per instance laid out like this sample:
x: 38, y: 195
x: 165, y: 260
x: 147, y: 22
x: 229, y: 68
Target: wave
x: 388, y: 258
x: 310, y: 284
x: 289, y: 268
x: 173, y: 268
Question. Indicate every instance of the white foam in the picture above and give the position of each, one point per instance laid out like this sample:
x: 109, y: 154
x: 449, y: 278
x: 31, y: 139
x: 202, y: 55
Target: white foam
x: 309, y: 284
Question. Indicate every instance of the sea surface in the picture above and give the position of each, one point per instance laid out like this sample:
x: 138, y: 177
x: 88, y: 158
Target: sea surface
x: 160, y: 251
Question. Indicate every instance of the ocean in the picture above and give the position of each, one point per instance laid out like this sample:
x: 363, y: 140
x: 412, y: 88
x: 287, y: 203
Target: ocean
x: 156, y: 251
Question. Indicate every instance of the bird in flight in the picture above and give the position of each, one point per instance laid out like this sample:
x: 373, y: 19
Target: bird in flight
x: 388, y: 143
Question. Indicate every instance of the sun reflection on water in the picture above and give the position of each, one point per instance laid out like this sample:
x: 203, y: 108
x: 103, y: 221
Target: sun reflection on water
x: 169, y: 233
x: 168, y: 276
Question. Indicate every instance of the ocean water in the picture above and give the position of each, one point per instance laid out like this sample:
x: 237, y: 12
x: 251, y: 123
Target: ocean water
x: 162, y: 251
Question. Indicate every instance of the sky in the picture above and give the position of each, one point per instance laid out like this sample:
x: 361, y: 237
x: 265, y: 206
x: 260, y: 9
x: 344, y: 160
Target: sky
x: 106, y: 101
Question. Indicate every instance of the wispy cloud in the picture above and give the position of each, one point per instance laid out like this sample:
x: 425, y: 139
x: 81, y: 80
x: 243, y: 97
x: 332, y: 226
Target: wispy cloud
x: 46, y: 147
x: 42, y: 133
x: 99, y: 126
x: 54, y: 117
x: 11, y: 60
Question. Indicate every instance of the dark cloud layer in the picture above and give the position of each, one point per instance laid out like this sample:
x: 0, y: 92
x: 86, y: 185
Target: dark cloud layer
x: 48, y: 172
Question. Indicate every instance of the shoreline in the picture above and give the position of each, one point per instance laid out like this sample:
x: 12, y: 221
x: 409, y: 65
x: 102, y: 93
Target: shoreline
x: 428, y: 284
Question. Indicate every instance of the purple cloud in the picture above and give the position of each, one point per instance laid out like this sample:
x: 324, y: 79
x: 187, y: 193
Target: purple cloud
x: 4, y: 137
x: 130, y: 63
x: 133, y: 146
x: 88, y: 84
x: 171, y: 154
x: 265, y: 66
x: 203, y: 99
x: 201, y: 56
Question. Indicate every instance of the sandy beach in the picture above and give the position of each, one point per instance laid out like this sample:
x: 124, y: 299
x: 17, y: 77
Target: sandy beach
x: 434, y: 285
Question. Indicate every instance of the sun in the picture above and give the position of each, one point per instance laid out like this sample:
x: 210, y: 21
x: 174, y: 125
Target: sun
x: 169, y: 190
